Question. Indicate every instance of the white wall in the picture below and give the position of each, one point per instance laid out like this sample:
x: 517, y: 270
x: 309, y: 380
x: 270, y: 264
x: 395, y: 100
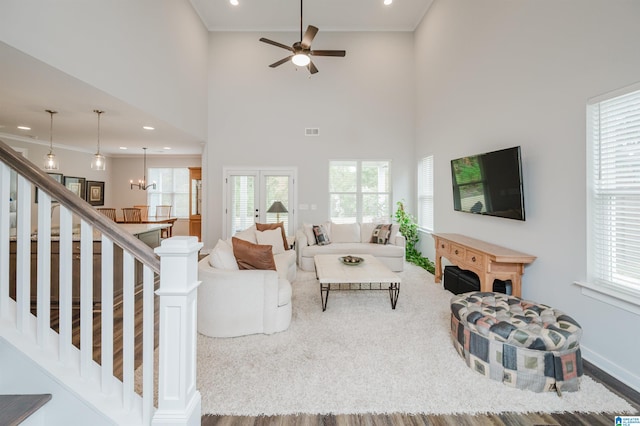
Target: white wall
x: 363, y: 105
x: 500, y: 73
x: 20, y: 375
x: 151, y: 54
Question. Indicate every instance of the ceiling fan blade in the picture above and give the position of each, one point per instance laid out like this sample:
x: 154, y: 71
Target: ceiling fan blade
x: 312, y: 68
x: 308, y: 37
x: 275, y: 43
x: 340, y: 53
x: 281, y: 61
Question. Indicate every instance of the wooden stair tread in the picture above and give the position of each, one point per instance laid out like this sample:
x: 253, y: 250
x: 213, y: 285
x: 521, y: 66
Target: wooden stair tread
x: 14, y: 409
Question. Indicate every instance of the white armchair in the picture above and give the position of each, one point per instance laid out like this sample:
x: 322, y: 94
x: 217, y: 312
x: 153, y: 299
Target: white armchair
x: 240, y: 302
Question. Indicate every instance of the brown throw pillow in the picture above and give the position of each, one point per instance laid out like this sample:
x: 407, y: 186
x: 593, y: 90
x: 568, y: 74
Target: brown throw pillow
x: 252, y: 256
x: 269, y: 226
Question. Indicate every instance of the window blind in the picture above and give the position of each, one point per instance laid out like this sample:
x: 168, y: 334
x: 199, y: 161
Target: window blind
x: 172, y: 188
x: 425, y: 193
x: 614, y: 222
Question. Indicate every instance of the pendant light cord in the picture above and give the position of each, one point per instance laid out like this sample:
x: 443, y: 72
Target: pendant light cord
x: 99, y: 113
x: 144, y: 171
x: 51, y: 130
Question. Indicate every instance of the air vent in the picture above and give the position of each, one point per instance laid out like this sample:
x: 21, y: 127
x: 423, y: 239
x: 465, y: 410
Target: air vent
x: 312, y: 131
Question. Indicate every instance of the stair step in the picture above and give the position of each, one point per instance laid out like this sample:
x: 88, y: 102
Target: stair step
x: 14, y: 409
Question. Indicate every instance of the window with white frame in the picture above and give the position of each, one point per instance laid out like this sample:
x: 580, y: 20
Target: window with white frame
x: 425, y: 193
x: 613, y: 184
x: 172, y: 189
x: 359, y: 191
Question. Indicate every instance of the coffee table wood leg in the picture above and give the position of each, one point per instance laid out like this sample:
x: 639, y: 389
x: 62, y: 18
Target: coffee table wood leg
x: 394, y: 292
x: 324, y: 295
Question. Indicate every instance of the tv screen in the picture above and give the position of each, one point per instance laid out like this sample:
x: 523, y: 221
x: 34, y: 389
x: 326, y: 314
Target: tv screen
x: 489, y: 184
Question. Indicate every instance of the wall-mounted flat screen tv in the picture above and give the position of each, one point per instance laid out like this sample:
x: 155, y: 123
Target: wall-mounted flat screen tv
x: 489, y: 184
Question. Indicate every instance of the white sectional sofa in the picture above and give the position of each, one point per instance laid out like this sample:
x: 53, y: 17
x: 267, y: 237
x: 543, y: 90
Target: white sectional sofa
x: 236, y: 302
x: 350, y: 239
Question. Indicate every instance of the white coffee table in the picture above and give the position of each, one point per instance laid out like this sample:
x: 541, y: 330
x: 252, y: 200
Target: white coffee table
x: 371, y: 274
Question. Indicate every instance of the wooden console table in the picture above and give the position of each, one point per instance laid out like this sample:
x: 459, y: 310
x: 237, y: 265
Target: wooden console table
x: 487, y: 260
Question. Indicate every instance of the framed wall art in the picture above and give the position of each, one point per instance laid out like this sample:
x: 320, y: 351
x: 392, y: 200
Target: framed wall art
x: 95, y: 193
x: 76, y: 185
x: 57, y: 177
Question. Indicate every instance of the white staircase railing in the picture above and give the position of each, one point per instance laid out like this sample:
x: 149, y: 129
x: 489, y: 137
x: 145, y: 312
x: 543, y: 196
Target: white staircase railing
x: 130, y: 398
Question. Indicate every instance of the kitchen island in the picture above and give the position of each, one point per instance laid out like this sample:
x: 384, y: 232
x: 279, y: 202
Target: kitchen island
x: 148, y: 233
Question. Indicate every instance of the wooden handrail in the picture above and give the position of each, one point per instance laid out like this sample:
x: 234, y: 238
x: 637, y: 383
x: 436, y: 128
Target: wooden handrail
x: 78, y: 206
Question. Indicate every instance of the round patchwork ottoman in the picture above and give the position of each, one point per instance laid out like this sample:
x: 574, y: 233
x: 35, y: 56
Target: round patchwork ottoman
x: 520, y: 343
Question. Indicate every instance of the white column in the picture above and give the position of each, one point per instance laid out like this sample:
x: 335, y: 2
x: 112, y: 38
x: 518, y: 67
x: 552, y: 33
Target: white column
x: 178, y: 399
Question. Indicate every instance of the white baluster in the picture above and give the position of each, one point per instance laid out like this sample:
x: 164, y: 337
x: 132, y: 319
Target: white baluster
x: 128, y: 340
x: 107, y: 314
x: 86, y: 297
x: 23, y: 254
x: 179, y: 402
x: 148, y: 344
x: 65, y: 297
x: 44, y: 268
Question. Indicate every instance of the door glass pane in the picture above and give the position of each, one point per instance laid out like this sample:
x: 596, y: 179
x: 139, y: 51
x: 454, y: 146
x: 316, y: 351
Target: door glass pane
x: 277, y: 189
x: 242, y: 204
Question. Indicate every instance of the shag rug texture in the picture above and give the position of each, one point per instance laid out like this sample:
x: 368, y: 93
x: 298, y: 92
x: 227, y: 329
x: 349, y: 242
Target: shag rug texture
x: 360, y: 356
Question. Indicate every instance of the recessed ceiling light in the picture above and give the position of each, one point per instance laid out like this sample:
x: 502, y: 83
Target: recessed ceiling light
x: 167, y: 147
x: 387, y: 2
x: 234, y: 2
x: 148, y: 128
x: 24, y: 128
x: 123, y: 147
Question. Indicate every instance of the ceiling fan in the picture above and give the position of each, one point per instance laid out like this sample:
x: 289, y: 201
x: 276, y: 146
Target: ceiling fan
x: 301, y: 50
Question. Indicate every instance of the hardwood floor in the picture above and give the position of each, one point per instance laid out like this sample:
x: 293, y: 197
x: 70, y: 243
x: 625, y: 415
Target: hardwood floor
x: 507, y: 419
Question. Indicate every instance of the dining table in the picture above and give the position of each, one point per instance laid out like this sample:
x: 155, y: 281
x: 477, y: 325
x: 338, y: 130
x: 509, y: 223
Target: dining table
x: 157, y: 219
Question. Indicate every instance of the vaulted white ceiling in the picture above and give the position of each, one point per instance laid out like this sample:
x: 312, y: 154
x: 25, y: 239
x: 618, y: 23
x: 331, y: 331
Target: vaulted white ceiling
x: 28, y: 86
x: 328, y: 15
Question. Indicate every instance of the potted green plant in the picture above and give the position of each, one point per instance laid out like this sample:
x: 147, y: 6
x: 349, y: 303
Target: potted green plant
x: 409, y: 229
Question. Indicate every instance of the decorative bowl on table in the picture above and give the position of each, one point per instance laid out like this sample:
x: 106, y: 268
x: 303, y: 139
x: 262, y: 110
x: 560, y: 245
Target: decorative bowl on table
x: 351, y: 260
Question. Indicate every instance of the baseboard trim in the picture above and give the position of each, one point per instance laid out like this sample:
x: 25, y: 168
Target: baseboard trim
x: 612, y: 369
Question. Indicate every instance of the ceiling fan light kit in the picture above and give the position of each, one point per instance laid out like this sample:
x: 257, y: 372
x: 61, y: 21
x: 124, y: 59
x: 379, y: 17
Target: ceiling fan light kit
x: 301, y: 59
x: 301, y: 50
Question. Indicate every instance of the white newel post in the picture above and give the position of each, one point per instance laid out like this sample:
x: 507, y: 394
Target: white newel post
x: 178, y: 399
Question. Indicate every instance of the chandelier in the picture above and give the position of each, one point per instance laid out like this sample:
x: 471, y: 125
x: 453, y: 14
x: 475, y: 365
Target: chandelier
x: 142, y: 183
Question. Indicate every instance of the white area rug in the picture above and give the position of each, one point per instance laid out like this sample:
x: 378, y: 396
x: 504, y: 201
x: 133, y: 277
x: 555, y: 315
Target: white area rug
x: 360, y: 356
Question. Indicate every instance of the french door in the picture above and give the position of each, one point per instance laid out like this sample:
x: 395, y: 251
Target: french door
x: 249, y: 194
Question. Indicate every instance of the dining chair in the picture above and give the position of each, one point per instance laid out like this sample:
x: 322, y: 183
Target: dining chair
x: 131, y: 215
x: 164, y: 211
x: 108, y: 212
x: 144, y: 212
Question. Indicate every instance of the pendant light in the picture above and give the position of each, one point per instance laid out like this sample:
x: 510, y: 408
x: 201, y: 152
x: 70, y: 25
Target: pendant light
x: 50, y: 160
x: 98, y: 161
